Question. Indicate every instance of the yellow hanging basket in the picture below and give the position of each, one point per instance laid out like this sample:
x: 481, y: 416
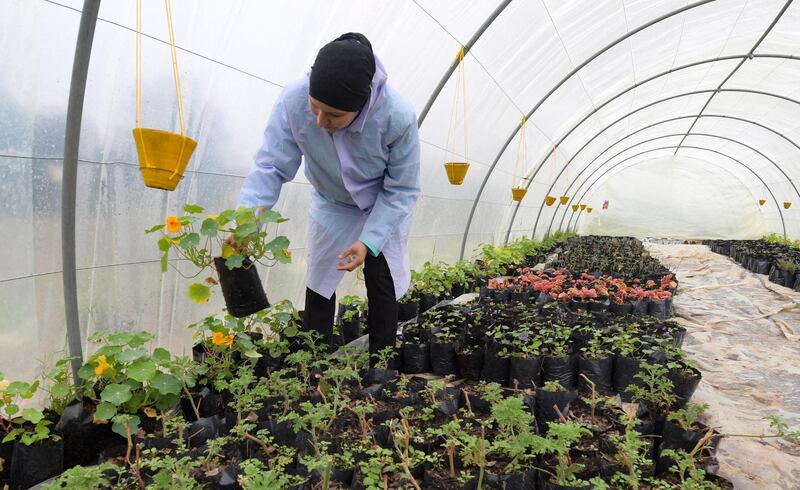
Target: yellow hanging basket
x: 564, y: 199
x: 588, y: 210
x: 787, y: 205
x: 583, y: 206
x: 761, y: 202
x: 517, y: 193
x: 574, y: 208
x: 456, y: 171
x: 550, y: 200
x: 163, y: 156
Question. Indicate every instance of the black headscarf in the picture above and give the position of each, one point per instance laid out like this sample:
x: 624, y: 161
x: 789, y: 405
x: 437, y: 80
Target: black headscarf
x: 342, y: 73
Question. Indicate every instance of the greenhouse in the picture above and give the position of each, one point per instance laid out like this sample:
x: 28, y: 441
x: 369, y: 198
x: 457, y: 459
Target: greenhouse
x: 408, y: 244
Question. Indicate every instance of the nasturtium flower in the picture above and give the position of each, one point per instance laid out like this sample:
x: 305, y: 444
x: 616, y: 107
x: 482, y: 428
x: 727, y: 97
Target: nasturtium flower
x: 102, y: 366
x: 287, y: 253
x: 173, y: 224
x: 218, y: 338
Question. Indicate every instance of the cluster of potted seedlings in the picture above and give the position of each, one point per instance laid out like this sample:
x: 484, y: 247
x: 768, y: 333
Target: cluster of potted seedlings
x: 774, y: 256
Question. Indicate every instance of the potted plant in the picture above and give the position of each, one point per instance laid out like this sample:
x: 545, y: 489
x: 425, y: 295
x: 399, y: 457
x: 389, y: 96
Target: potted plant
x: 203, y: 242
x: 526, y: 359
x: 597, y: 365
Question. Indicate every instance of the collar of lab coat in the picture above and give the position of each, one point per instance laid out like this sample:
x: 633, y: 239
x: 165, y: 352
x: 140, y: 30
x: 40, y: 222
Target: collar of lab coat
x: 376, y: 97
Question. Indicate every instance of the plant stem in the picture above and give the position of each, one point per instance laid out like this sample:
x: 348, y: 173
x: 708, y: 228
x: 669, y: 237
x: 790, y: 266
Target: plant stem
x: 191, y: 401
x: 258, y: 441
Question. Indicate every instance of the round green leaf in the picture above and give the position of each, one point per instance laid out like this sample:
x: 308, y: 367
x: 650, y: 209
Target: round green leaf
x: 122, y: 420
x: 190, y: 240
x: 116, y: 394
x: 32, y: 415
x: 234, y: 261
x: 142, y: 370
x: 130, y: 355
x: 199, y: 293
x: 20, y: 388
x: 209, y: 227
x: 105, y: 411
x: 60, y: 390
x: 161, y: 355
x: 166, y: 384
x: 245, y: 230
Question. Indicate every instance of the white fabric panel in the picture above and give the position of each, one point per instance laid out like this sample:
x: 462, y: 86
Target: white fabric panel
x: 678, y: 198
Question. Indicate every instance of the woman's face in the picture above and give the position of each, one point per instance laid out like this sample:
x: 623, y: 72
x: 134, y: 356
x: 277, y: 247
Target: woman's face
x: 329, y: 118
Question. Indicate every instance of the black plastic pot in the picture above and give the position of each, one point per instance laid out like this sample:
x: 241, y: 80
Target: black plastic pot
x: 416, y: 358
x: 470, y: 365
x: 625, y: 369
x: 577, y: 306
x: 443, y: 358
x: 426, y: 302
x: 786, y: 278
x: 797, y: 283
x: 83, y: 439
x: 208, y: 404
x: 640, y: 307
x: 599, y: 306
x: 486, y: 293
x: 495, y: 368
x: 241, y: 288
x: 478, y: 404
x: 546, y: 400
x: 684, y: 385
x: 351, y: 329
x: 563, y: 369
x: 658, y: 309
x: 600, y: 371
x: 408, y: 311
x: 674, y: 437
x: 520, y: 297
x: 35, y: 463
x: 762, y: 266
x: 502, y: 295
x: 621, y: 308
x: 525, y: 371
x: 200, y: 431
x: 457, y: 290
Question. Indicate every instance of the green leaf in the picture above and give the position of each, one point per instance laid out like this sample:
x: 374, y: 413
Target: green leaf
x: 167, y: 401
x: 32, y: 415
x: 193, y: 208
x: 164, y: 244
x: 199, y: 293
x: 166, y: 384
x: 20, y: 388
x: 245, y: 230
x: 290, y: 331
x: 209, y: 227
x: 116, y: 394
x: 161, y: 355
x: 155, y: 228
x: 190, y: 240
x: 234, y: 261
x: 60, y: 389
x: 105, y: 411
x: 86, y: 371
x: 277, y: 243
x: 142, y: 370
x: 121, y: 421
x: 130, y: 355
x: 251, y: 354
x: 11, y: 409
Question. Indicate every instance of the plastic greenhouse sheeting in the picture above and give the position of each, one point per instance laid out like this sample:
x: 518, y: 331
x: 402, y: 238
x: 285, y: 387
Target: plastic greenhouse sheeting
x: 601, y: 80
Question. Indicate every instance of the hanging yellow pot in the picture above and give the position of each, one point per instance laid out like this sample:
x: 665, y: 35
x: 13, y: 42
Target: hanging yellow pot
x: 583, y: 206
x: 550, y: 200
x: 163, y: 156
x: 761, y: 202
x: 574, y: 208
x: 517, y: 193
x: 787, y: 205
x: 588, y: 210
x: 564, y: 199
x: 456, y: 171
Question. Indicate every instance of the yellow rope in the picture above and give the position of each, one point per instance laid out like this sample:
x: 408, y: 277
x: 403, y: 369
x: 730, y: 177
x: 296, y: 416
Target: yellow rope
x: 522, y: 151
x: 138, y: 63
x: 460, y: 90
x: 175, y: 72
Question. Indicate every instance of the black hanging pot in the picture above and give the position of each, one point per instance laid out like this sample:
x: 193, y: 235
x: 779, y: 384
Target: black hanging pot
x: 241, y: 287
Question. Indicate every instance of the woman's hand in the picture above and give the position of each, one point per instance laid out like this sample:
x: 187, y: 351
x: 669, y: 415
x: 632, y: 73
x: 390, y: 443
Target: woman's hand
x: 353, y: 257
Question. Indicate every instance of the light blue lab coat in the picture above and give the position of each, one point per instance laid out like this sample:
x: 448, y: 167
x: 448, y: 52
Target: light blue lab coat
x: 365, y: 178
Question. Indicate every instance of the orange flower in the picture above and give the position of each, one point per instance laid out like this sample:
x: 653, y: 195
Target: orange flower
x: 102, y: 366
x: 173, y: 224
x: 218, y: 338
x: 287, y: 253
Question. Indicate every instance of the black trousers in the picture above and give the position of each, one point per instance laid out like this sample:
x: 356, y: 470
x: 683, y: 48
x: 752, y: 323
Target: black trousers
x: 382, y: 309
